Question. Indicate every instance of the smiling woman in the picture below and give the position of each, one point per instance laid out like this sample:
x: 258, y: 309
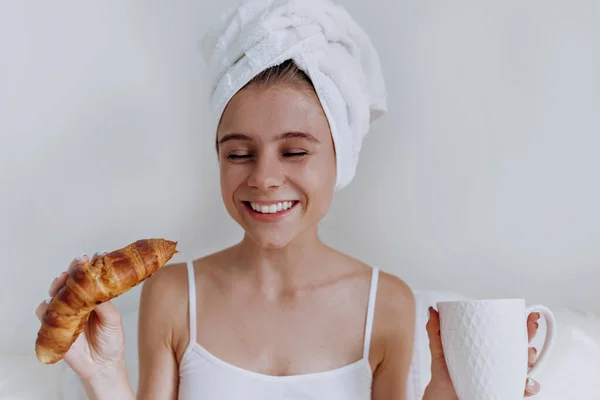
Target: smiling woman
x: 279, y: 314
x: 275, y: 147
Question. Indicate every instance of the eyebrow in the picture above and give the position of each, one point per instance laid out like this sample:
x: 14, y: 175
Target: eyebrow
x: 282, y: 136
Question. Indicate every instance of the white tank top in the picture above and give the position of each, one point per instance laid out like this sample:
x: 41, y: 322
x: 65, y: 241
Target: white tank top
x: 203, y: 376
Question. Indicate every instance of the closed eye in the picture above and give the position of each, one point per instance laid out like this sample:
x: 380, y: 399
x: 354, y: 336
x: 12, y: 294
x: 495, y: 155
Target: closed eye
x: 295, y: 154
x: 290, y: 154
x: 238, y: 156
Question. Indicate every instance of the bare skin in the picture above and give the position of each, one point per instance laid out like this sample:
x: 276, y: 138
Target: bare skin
x: 280, y: 302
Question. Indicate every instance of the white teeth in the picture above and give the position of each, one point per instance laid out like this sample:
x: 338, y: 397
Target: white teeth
x: 271, y: 208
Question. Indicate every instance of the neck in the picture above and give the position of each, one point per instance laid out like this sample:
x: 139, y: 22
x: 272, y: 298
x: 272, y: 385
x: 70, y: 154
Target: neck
x: 277, y: 271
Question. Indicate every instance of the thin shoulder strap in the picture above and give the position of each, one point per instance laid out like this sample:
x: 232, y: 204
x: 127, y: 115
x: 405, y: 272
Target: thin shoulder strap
x: 192, y: 295
x: 370, y: 312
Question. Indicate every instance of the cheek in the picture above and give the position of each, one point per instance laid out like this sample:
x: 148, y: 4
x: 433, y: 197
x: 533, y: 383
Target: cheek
x: 231, y: 177
x: 324, y: 172
x: 318, y: 182
x: 326, y: 179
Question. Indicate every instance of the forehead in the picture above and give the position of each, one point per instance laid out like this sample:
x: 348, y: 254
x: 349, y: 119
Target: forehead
x: 266, y: 112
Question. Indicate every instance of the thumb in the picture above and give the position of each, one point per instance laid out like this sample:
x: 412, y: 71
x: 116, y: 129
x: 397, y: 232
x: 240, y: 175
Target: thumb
x: 107, y: 315
x: 435, y: 339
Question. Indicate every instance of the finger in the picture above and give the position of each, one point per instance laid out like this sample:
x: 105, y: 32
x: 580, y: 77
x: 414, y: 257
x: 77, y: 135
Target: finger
x: 532, y: 356
x: 41, y: 309
x: 97, y: 255
x: 108, y: 315
x: 82, y: 259
x: 60, y: 280
x: 57, y: 283
x: 532, y: 387
x: 433, y: 332
x: 532, y: 328
x: 532, y: 317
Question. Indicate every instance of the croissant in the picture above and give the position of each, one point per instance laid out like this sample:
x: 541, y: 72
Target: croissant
x: 94, y: 283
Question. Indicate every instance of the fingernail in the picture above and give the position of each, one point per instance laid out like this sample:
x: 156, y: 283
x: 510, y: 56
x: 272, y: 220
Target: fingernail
x: 533, y: 324
x: 80, y: 257
x: 48, y: 300
x: 100, y: 253
x: 533, y: 387
x: 532, y: 357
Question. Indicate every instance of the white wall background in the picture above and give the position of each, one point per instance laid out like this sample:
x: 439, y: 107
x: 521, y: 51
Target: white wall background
x: 484, y: 178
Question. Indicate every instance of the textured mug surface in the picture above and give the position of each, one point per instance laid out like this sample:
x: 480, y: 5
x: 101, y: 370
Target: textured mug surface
x: 486, y: 346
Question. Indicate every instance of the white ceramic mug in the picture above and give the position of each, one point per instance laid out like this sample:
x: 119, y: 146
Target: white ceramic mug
x: 486, y: 346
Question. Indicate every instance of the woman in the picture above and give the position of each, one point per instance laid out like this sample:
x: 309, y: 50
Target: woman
x: 279, y: 314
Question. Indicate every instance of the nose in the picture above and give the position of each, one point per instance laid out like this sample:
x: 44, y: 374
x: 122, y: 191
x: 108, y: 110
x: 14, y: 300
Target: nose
x: 267, y: 173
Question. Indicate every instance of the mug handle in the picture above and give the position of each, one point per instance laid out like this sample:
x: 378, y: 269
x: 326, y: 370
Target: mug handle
x: 548, y: 341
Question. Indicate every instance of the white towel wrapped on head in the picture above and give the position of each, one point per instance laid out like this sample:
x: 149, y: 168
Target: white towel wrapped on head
x: 324, y: 41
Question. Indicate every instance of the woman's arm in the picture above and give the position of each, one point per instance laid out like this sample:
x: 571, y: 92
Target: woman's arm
x: 111, y: 383
x: 158, y: 367
x: 395, y: 324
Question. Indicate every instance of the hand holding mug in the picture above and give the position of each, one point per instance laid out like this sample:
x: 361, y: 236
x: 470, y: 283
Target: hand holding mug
x: 480, y: 349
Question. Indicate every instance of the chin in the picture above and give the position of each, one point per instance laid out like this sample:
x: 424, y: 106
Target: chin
x: 270, y: 241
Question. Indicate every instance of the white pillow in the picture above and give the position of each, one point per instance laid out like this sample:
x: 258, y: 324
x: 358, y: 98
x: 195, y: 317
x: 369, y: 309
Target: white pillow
x: 70, y: 385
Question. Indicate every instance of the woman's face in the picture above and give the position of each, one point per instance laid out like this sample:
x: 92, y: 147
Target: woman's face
x: 277, y: 162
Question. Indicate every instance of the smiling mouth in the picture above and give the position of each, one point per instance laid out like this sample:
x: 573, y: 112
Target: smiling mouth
x: 272, y: 208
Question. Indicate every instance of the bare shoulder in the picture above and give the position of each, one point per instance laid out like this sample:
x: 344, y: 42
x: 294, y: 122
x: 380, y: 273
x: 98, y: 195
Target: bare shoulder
x: 394, y: 296
x: 168, y: 280
x: 395, y: 302
x: 393, y: 334
x: 163, y: 300
x: 394, y: 321
x: 162, y: 309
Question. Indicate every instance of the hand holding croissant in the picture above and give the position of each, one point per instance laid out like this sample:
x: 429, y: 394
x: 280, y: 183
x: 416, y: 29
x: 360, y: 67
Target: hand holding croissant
x: 90, y: 284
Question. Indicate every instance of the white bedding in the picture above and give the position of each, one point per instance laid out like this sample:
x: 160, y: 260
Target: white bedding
x: 573, y: 370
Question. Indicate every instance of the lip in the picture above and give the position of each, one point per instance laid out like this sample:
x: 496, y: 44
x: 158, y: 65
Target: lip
x: 268, y: 202
x: 269, y: 217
